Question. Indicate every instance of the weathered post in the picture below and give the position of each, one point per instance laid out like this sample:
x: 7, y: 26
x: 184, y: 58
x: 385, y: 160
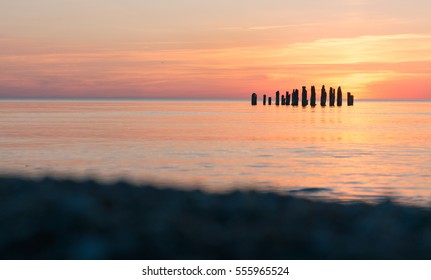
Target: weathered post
x: 269, y: 100
x: 277, y: 98
x: 350, y: 99
x: 339, y: 97
x: 331, y: 97
x: 264, y: 99
x: 283, y: 100
x: 295, y: 97
x: 254, y: 99
x: 323, y: 97
x: 287, y: 98
x: 313, y: 96
x: 304, y: 97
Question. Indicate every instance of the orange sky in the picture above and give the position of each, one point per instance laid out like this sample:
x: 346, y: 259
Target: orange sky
x: 207, y: 49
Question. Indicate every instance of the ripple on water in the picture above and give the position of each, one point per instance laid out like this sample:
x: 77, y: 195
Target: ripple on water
x: 264, y: 156
x: 310, y: 190
x: 341, y: 156
x: 258, y: 165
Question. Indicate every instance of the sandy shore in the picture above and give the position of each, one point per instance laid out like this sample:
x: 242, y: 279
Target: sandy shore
x: 63, y: 219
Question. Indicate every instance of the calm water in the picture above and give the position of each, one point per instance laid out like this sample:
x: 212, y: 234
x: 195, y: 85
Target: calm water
x: 365, y: 152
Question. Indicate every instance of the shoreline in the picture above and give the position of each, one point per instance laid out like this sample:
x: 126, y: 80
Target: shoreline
x: 51, y: 218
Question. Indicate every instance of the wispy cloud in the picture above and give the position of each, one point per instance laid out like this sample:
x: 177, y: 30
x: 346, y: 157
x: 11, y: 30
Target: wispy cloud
x: 355, y: 62
x: 380, y: 48
x: 266, y: 27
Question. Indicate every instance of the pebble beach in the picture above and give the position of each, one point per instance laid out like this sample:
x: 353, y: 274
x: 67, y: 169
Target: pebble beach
x: 51, y: 218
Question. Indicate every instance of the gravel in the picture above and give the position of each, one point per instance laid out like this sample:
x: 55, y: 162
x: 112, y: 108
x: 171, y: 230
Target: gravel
x: 51, y: 218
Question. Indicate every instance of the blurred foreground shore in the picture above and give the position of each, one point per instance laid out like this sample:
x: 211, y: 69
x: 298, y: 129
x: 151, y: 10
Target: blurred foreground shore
x: 64, y: 219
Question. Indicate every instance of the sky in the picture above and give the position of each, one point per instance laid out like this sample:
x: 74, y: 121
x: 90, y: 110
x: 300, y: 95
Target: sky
x: 213, y: 49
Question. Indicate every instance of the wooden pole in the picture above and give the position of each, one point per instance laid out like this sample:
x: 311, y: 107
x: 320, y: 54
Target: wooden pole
x: 313, y: 96
x: 339, y: 97
x: 304, y: 97
x: 323, y: 97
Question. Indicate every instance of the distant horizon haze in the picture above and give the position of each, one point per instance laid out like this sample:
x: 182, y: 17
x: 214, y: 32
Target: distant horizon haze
x: 242, y: 99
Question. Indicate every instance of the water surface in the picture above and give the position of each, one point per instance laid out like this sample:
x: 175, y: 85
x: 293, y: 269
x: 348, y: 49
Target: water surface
x: 365, y: 152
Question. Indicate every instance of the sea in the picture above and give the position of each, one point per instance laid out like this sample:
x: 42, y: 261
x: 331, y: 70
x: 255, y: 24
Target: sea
x: 369, y: 152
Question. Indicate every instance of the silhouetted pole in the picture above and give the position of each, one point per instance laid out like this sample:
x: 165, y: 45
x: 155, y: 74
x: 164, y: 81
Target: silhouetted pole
x: 304, y: 97
x: 295, y: 97
x: 339, y: 97
x: 333, y: 94
x: 323, y: 97
x: 254, y: 99
x: 313, y: 96
x: 350, y: 99
x: 331, y: 97
x: 287, y: 98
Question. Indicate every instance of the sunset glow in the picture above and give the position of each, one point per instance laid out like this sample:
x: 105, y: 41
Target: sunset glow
x: 204, y: 49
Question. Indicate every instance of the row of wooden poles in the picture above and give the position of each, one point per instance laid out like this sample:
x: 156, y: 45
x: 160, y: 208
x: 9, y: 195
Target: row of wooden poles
x: 293, y: 99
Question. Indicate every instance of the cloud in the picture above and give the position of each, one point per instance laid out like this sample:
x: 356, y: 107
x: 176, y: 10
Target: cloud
x: 355, y: 62
x: 266, y: 27
x: 381, y: 48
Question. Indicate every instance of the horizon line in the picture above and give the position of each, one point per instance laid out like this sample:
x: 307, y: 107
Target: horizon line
x: 175, y: 98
